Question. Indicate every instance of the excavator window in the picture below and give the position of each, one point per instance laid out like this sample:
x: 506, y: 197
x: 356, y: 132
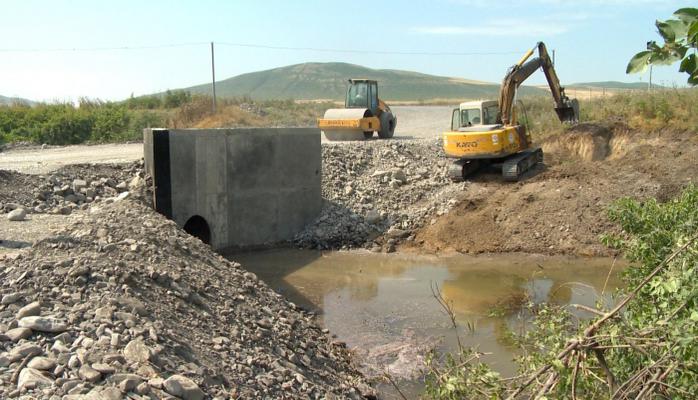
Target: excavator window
x: 490, y: 114
x: 455, y: 120
x: 470, y: 116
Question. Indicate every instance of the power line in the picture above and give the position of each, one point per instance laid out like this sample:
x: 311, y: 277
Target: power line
x: 89, y: 49
x: 256, y: 46
x: 327, y: 50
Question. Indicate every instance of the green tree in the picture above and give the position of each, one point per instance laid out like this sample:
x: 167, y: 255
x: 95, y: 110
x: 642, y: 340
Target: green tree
x: 680, y: 37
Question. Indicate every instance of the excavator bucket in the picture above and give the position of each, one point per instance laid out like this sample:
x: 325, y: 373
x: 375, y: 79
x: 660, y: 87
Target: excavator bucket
x: 570, y: 113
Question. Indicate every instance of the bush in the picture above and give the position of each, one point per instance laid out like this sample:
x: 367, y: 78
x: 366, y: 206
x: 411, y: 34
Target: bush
x: 110, y: 123
x: 63, y: 125
x: 144, y: 102
x: 176, y: 98
x: 648, y: 346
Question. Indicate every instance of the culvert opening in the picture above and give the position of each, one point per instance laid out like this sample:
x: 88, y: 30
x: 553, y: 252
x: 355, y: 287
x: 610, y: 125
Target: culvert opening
x: 198, y: 227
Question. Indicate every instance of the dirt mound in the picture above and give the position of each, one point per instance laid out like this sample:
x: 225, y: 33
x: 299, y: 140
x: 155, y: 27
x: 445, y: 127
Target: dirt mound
x: 123, y: 303
x: 561, y: 207
x: 589, y: 141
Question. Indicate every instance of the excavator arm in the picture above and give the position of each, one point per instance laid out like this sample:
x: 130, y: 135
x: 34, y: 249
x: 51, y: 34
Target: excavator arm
x: 567, y: 109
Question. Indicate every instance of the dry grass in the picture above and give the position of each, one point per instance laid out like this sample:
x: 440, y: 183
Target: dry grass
x: 672, y: 109
x: 244, y: 112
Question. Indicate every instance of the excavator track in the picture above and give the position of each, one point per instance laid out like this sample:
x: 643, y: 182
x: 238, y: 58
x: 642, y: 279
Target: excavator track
x: 460, y: 169
x: 514, y: 167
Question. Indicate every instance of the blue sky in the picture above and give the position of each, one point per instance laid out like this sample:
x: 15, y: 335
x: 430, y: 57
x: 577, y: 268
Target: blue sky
x: 593, y: 40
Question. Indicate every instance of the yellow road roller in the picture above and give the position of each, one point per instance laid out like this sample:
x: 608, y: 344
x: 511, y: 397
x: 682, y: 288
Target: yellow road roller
x: 363, y: 114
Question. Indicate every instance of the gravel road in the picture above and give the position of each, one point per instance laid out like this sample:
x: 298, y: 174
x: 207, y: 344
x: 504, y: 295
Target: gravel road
x: 421, y: 121
x: 35, y: 160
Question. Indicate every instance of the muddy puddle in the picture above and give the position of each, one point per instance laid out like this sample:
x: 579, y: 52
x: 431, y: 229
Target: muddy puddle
x: 383, y: 307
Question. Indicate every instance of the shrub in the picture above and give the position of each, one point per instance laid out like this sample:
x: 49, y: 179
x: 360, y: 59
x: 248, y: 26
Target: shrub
x: 110, y: 123
x: 176, y: 98
x: 646, y: 347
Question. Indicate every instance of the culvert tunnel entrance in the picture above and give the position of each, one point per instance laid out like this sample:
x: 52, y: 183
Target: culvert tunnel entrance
x: 198, y: 227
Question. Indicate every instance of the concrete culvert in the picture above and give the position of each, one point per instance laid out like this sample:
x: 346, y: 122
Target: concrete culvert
x: 198, y: 227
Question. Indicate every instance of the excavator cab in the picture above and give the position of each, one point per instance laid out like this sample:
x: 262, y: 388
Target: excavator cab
x: 474, y: 113
x: 362, y: 93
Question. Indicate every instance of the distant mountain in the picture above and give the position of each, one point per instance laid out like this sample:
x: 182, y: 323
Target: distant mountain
x: 13, y: 100
x: 612, y: 85
x: 311, y: 81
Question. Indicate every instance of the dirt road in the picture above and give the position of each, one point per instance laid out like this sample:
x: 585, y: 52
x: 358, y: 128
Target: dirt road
x: 421, y: 121
x: 35, y: 160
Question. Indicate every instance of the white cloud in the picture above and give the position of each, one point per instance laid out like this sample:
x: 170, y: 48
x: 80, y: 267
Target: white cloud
x: 501, y: 28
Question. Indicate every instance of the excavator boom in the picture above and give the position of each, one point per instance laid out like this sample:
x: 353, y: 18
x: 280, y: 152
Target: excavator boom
x: 567, y: 109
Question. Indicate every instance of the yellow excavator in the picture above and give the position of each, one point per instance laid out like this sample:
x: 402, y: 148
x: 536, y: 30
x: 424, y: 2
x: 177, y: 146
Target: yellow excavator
x: 363, y: 114
x: 488, y: 132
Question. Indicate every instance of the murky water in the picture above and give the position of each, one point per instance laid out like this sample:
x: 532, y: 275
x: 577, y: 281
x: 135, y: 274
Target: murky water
x: 384, y: 308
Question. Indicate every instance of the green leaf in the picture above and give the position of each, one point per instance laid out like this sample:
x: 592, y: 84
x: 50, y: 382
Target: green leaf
x: 689, y: 64
x: 665, y: 30
x: 694, y: 315
x: 687, y: 14
x: 665, y: 57
x: 672, y: 29
x: 692, y: 34
x: 639, y: 62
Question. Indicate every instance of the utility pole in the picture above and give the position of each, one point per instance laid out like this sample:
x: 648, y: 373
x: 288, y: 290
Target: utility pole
x: 213, y: 77
x: 553, y: 57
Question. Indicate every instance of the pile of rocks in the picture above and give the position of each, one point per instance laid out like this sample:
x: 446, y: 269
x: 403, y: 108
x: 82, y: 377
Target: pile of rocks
x: 69, y: 188
x: 124, y: 304
x: 377, y: 192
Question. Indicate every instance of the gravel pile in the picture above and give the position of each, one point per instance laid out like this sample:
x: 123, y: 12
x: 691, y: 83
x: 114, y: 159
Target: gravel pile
x: 376, y: 193
x: 70, y: 188
x: 124, y: 304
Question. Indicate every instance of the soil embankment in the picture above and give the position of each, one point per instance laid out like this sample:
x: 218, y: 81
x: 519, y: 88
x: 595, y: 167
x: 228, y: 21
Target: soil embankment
x: 561, y: 208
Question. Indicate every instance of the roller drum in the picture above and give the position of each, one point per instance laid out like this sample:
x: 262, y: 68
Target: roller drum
x: 340, y: 133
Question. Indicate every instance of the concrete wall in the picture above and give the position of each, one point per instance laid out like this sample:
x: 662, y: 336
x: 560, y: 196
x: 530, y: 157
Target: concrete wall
x: 252, y: 186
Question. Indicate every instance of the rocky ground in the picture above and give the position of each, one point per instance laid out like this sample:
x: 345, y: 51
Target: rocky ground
x: 121, y: 303
x: 378, y: 192
x: 68, y: 189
